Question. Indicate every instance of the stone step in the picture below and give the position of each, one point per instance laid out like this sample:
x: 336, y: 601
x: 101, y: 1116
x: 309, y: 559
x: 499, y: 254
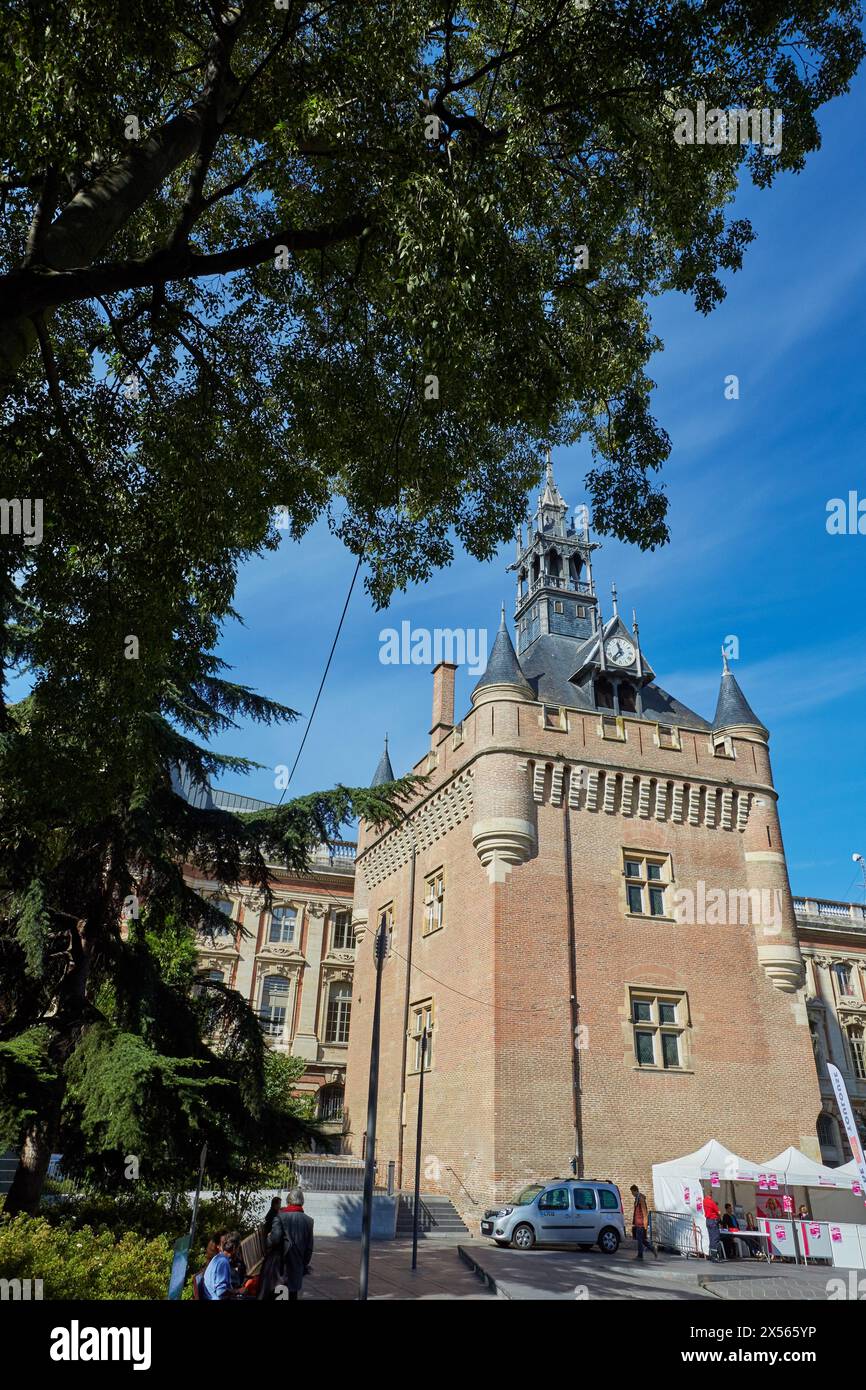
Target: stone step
x: 438, y: 1217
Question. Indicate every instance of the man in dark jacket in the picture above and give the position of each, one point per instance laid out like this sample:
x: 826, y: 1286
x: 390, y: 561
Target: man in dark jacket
x: 290, y: 1250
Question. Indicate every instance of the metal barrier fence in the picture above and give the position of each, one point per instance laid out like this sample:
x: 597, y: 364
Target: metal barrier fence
x: 675, y: 1230
x: 342, y: 1175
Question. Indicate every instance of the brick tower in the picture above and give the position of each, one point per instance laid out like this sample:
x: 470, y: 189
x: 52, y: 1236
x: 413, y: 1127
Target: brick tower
x: 588, y: 908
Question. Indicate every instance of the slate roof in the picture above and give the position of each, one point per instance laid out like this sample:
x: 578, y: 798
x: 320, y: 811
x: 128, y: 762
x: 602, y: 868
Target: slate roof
x: 384, y: 771
x: 503, y: 668
x: 733, y: 707
x: 552, y: 660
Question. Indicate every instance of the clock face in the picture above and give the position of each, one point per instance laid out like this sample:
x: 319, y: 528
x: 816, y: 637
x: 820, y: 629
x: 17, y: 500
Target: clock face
x: 620, y: 651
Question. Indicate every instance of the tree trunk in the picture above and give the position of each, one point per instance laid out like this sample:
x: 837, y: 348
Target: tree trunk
x: 39, y: 1139
x: 43, y: 1134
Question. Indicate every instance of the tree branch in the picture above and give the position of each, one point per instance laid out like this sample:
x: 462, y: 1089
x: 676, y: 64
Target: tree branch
x: 35, y: 289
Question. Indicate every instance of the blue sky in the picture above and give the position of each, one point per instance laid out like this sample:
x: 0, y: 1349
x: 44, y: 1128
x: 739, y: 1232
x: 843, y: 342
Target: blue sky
x: 748, y: 481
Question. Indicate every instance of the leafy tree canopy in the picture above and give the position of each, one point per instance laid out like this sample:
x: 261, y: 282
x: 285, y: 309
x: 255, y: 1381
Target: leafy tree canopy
x: 279, y: 222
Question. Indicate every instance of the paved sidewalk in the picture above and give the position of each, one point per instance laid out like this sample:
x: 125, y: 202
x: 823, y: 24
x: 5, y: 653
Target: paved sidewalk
x: 440, y: 1274
x: 474, y: 1269
x: 572, y: 1274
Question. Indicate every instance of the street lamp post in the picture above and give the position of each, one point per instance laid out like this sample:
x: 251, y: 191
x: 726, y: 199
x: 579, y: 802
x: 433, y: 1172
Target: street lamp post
x: 417, y: 1202
x: 380, y: 948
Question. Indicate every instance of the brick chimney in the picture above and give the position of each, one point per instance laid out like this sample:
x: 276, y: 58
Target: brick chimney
x: 443, y: 700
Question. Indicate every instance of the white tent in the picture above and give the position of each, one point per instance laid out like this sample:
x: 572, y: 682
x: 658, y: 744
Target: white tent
x: 677, y: 1188
x: 796, y: 1169
x: 677, y: 1183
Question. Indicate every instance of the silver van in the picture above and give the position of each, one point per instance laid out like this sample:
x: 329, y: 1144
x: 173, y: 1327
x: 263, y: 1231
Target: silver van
x: 566, y: 1211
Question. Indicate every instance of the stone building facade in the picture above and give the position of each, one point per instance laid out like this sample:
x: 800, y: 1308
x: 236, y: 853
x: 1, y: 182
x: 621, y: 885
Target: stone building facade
x: 833, y: 942
x: 293, y: 961
x: 587, y: 908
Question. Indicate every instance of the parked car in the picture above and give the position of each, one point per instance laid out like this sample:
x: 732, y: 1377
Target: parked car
x: 565, y: 1211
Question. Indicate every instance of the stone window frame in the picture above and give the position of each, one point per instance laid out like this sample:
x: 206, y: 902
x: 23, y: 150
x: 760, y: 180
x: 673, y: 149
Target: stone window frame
x: 856, y: 1046
x: 435, y: 899
x: 229, y: 932
x: 554, y: 719
x: 267, y: 971
x: 334, y: 911
x: 722, y: 746
x: 645, y: 882
x: 206, y: 972
x: 387, y: 911
x: 834, y: 1141
x: 298, y: 908
x: 346, y: 1016
x: 457, y: 735
x: 851, y: 967
x: 612, y: 728
x: 655, y: 996
x: 421, y: 1011
x: 676, y: 744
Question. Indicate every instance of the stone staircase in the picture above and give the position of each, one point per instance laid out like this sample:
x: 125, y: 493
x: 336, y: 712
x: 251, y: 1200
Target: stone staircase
x: 439, y: 1219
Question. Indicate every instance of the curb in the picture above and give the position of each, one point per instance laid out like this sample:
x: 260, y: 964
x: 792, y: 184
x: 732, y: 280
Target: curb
x: 481, y: 1272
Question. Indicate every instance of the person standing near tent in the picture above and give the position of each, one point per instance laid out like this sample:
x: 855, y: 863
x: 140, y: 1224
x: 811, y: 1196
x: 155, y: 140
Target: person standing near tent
x: 640, y: 1223
x: 711, y: 1216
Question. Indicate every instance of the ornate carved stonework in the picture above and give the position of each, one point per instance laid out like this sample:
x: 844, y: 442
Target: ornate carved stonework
x: 278, y: 968
x: 278, y: 952
x: 206, y: 943
x: 334, y: 972
x: 641, y: 796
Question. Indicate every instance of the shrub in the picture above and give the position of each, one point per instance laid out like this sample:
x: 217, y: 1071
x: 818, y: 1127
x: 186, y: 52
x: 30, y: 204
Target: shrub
x: 78, y: 1262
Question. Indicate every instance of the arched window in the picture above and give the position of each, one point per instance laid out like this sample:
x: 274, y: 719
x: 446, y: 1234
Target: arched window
x: 826, y: 1131
x: 338, y: 1013
x: 274, y: 1006
x: 330, y: 1102
x: 842, y: 973
x: 282, y: 929
x: 342, y: 936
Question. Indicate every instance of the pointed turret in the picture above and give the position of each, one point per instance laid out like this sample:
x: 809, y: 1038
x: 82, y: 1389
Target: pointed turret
x: 503, y: 668
x: 384, y: 771
x: 733, y: 710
